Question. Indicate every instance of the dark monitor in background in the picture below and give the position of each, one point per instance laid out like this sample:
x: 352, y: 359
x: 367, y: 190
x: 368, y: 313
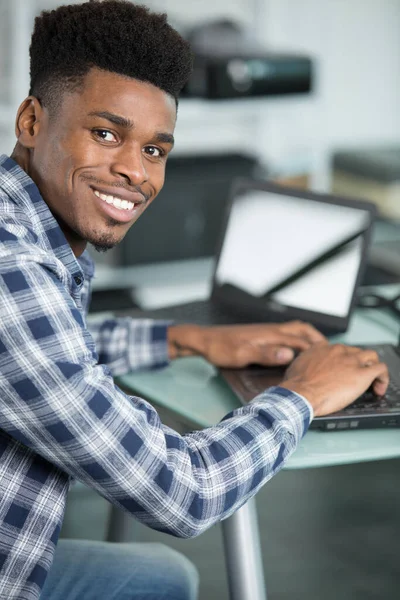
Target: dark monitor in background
x: 185, y: 220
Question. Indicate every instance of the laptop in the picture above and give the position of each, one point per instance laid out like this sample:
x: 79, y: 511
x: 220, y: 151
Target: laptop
x: 284, y: 254
x: 367, y: 412
x: 292, y: 254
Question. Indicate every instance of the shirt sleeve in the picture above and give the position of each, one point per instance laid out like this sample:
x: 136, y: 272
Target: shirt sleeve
x: 126, y: 344
x: 59, y: 401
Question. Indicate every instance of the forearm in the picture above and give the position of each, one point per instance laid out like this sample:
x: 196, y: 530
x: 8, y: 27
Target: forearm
x: 126, y: 344
x: 243, y: 452
x: 179, y: 484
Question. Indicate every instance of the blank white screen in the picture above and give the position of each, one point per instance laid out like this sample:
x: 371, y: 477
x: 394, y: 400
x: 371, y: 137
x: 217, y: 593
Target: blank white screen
x: 269, y: 237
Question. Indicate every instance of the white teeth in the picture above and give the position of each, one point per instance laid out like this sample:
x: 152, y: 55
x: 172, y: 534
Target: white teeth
x: 117, y: 202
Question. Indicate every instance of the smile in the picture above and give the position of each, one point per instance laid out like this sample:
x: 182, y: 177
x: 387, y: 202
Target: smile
x: 115, y: 201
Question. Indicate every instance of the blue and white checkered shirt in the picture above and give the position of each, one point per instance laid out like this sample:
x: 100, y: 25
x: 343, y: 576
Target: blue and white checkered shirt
x: 62, y: 417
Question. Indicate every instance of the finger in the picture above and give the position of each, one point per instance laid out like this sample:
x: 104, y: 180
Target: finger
x: 368, y: 357
x: 291, y: 341
x: 269, y: 355
x: 275, y: 355
x: 305, y: 330
x: 346, y: 349
x: 381, y: 378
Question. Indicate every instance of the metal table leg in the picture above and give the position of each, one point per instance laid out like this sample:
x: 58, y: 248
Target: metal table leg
x: 119, y: 526
x: 242, y: 547
x: 243, y: 554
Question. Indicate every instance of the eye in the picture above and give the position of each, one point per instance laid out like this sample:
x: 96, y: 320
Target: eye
x: 154, y: 151
x: 105, y: 135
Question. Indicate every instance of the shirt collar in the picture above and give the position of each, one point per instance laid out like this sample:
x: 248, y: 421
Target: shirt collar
x: 17, y: 184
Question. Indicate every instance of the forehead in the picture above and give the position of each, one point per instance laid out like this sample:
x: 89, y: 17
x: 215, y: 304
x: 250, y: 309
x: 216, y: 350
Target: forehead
x: 135, y: 100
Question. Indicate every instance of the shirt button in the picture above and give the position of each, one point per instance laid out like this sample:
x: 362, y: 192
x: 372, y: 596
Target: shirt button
x: 78, y: 280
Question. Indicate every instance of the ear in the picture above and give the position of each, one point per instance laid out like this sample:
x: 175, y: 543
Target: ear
x: 27, y: 124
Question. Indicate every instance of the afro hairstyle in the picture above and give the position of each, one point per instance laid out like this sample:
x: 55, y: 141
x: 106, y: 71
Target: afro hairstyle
x: 112, y: 35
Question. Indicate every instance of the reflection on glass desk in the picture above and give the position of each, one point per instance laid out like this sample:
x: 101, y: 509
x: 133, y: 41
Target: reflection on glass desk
x: 192, y: 390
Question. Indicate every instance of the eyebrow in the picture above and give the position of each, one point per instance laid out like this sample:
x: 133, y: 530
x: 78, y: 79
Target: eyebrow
x: 166, y: 138
x: 161, y: 137
x: 116, y: 119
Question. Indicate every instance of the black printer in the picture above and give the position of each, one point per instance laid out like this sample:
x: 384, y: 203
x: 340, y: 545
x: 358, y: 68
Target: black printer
x: 229, y: 64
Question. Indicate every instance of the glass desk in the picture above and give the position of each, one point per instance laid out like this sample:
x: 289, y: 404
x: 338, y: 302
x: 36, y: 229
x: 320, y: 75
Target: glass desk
x: 193, y: 392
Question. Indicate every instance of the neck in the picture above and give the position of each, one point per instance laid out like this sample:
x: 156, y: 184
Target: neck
x: 22, y: 157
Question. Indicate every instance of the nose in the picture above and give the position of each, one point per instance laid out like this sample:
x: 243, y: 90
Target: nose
x: 131, y: 166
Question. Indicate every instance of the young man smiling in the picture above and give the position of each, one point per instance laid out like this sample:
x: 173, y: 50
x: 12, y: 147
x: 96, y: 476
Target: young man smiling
x: 92, y: 144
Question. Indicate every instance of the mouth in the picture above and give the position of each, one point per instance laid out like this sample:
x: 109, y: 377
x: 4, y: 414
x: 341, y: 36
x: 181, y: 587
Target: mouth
x: 119, y: 207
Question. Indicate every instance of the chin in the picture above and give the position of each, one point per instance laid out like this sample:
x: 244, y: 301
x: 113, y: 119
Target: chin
x: 103, y: 248
x: 102, y: 242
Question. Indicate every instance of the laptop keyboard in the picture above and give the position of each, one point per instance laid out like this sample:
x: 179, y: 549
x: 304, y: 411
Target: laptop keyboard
x: 391, y: 400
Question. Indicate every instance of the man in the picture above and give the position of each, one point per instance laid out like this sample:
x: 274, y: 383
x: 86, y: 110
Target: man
x: 92, y: 143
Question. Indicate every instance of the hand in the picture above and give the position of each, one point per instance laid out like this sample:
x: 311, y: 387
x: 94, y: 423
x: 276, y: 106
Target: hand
x: 331, y: 377
x: 237, y: 346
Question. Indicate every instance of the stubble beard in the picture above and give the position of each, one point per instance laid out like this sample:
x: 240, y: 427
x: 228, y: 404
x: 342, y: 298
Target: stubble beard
x: 102, y: 242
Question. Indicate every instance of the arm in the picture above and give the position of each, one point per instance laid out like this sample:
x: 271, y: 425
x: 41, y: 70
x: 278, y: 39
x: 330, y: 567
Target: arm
x: 58, y: 401
x: 125, y: 344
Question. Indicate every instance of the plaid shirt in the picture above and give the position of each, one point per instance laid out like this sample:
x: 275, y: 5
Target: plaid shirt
x: 62, y: 417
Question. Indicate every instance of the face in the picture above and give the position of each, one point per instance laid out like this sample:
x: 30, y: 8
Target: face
x: 100, y: 160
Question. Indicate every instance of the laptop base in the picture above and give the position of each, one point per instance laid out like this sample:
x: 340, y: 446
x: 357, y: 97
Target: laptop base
x: 367, y: 412
x: 201, y: 312
x: 208, y: 312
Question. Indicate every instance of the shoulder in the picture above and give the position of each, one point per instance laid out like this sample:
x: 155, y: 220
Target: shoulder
x: 16, y: 224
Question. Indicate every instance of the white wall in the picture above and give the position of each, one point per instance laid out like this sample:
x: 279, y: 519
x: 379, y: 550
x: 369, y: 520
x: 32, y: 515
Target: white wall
x: 357, y: 96
x: 356, y: 99
x: 193, y: 12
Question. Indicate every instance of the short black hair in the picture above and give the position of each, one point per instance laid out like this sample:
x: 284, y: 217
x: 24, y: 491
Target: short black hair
x: 113, y: 35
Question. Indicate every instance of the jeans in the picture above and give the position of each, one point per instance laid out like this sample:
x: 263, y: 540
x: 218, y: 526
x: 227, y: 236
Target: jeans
x: 86, y: 570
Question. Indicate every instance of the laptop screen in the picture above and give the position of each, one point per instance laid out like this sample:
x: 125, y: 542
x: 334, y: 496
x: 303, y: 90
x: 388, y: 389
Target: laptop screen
x: 296, y: 251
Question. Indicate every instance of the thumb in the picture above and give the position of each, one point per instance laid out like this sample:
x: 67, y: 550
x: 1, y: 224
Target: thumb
x: 277, y: 355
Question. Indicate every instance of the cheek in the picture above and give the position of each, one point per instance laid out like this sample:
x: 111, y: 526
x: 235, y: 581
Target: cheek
x: 54, y: 162
x: 158, y: 178
x: 75, y: 149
